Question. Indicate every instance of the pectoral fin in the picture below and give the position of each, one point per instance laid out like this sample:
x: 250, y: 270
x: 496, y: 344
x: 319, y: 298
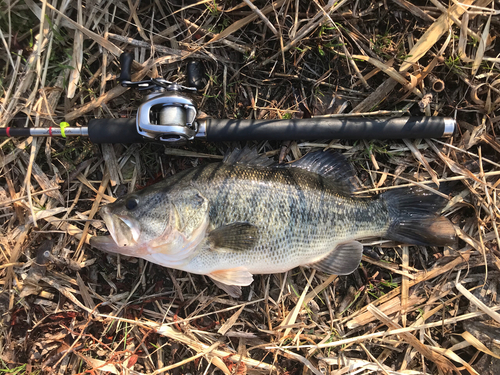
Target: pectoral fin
x: 343, y: 260
x: 234, y: 237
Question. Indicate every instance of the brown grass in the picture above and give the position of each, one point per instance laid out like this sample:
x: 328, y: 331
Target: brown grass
x: 68, y: 308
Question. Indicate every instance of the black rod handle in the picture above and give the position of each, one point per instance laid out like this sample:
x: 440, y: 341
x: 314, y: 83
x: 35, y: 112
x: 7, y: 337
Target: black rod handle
x: 329, y: 128
x: 114, y: 130
x: 126, y: 60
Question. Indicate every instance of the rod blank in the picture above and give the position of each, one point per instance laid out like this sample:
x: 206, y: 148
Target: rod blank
x: 53, y: 131
x: 329, y: 128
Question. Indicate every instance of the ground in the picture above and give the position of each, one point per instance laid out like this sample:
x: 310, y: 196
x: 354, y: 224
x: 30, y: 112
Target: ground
x: 69, y: 308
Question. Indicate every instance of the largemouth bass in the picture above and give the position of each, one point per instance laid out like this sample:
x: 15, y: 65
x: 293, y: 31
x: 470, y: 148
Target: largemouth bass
x: 248, y: 215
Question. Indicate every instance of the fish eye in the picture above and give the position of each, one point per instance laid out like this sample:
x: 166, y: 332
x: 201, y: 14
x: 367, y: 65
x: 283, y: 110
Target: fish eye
x: 131, y: 203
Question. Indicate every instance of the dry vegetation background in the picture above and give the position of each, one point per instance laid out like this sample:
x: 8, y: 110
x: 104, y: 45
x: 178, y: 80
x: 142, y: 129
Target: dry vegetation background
x: 68, y: 308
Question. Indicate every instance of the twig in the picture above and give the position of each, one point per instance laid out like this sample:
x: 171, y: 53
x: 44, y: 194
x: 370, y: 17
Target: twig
x: 261, y: 16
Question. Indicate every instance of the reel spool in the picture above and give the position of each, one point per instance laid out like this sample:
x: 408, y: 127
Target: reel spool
x: 167, y: 117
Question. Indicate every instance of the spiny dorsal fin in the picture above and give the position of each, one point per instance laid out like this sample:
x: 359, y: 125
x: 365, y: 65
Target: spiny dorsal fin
x: 249, y: 157
x: 343, y: 260
x: 331, y: 165
x: 238, y: 236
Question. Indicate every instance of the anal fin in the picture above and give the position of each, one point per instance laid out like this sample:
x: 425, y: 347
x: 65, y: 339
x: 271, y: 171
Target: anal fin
x: 343, y: 260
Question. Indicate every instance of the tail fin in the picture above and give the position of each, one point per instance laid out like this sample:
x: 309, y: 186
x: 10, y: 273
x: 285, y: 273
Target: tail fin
x: 415, y: 218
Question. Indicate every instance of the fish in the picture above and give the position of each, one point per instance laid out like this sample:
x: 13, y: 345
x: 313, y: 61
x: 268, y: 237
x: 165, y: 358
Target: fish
x: 250, y: 215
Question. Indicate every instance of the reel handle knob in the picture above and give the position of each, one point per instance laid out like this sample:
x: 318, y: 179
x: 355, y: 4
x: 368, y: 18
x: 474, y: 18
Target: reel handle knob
x: 195, y: 72
x: 126, y: 60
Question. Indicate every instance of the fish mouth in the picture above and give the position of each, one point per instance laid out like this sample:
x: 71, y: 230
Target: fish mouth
x: 124, y: 230
x: 105, y: 243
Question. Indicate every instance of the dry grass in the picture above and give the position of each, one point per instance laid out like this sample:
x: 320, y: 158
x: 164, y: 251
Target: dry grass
x: 68, y: 308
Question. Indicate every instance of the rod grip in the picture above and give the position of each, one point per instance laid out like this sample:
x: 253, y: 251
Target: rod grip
x: 329, y: 128
x: 126, y: 60
x: 115, y: 130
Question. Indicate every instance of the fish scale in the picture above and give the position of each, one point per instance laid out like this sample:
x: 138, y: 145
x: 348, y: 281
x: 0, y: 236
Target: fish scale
x: 297, y: 213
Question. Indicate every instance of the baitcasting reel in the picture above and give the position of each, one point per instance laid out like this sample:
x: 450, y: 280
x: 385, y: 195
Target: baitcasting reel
x: 167, y: 113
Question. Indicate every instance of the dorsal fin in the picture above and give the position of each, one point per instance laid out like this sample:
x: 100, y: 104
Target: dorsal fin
x: 331, y: 165
x: 247, y: 156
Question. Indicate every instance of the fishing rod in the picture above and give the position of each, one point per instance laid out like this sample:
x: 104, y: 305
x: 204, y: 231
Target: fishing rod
x: 168, y: 114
